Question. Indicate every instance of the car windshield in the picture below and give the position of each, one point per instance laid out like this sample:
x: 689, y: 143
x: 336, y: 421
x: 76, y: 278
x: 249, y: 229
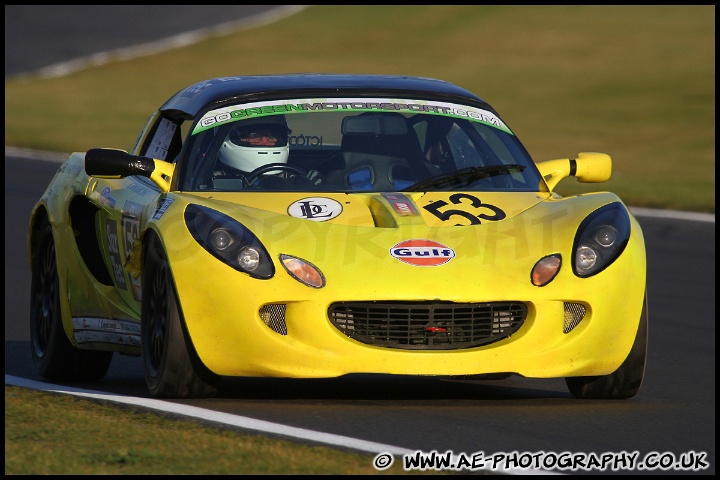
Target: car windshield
x: 354, y: 145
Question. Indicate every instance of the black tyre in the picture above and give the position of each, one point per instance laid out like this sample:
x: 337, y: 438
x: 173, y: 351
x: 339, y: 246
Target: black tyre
x: 624, y: 382
x: 172, y: 368
x: 54, y: 355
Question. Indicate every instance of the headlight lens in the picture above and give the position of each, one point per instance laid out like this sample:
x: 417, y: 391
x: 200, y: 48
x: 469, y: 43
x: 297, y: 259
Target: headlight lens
x: 229, y: 241
x: 606, y: 236
x: 249, y: 258
x: 220, y: 239
x: 585, y: 258
x: 600, y: 239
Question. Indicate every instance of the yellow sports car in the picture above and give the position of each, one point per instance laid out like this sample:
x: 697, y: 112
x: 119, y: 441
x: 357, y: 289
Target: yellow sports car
x: 319, y: 225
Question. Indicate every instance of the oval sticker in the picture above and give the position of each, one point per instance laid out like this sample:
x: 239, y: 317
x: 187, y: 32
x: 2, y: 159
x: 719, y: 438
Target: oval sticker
x: 317, y: 209
x: 421, y: 252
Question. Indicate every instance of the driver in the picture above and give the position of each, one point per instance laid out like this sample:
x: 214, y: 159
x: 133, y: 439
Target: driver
x: 257, y: 142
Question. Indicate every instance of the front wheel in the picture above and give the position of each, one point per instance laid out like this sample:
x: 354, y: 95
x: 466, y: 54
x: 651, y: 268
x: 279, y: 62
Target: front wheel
x: 54, y: 356
x: 624, y: 382
x: 171, y: 366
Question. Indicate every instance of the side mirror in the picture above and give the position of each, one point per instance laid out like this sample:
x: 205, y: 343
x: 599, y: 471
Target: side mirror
x: 113, y: 163
x: 587, y: 168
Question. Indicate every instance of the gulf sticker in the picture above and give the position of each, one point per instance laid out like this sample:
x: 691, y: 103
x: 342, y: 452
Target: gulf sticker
x: 421, y: 252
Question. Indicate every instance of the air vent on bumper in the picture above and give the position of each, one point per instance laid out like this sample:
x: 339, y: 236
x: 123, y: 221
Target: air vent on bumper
x: 274, y: 317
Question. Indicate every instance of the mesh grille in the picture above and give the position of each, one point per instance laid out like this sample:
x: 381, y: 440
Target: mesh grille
x: 274, y: 317
x: 427, y: 325
x: 574, y: 313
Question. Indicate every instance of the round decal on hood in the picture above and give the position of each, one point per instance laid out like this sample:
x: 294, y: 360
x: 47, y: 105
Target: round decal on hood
x: 421, y: 252
x: 317, y: 209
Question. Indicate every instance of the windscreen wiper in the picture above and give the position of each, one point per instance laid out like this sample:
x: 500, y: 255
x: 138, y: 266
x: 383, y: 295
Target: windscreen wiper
x: 464, y: 177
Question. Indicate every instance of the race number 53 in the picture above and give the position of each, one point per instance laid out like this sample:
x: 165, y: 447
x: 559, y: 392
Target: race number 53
x: 472, y: 205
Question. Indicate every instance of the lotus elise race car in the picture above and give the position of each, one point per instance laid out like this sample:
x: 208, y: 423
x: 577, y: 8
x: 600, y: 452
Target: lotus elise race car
x: 319, y: 225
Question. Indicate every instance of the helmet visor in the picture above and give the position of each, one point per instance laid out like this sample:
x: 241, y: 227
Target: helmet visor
x: 259, y: 136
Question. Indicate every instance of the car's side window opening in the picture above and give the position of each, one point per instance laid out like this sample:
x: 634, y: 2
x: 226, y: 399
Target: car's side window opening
x: 164, y: 141
x: 202, y: 158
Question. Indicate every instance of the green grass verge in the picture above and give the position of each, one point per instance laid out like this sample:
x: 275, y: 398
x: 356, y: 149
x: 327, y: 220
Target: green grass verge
x: 48, y: 433
x: 635, y: 82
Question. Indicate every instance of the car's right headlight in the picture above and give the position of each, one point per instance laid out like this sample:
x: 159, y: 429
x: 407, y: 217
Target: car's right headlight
x: 229, y: 241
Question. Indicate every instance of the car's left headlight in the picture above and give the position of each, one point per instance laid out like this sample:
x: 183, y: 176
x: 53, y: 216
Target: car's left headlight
x: 600, y: 239
x: 229, y: 241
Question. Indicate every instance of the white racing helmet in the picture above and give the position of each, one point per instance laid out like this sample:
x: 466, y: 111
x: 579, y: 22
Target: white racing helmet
x: 256, y: 142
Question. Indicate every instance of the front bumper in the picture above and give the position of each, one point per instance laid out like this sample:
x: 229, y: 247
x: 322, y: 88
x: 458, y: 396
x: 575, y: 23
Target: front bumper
x: 226, y: 316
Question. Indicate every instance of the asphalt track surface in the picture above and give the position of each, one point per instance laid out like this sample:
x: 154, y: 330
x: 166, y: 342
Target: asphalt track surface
x: 39, y: 38
x: 674, y: 413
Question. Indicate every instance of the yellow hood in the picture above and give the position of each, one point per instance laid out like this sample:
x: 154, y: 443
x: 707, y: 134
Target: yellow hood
x: 388, y: 209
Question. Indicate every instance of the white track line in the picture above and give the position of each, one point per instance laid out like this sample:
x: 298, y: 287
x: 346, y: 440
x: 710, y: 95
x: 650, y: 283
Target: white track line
x: 163, y: 45
x: 246, y: 423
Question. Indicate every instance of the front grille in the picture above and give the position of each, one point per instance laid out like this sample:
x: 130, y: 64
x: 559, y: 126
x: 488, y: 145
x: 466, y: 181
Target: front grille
x: 427, y: 325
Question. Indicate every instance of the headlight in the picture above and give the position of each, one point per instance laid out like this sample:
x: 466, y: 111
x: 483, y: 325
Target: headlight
x: 229, y: 241
x: 600, y: 239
